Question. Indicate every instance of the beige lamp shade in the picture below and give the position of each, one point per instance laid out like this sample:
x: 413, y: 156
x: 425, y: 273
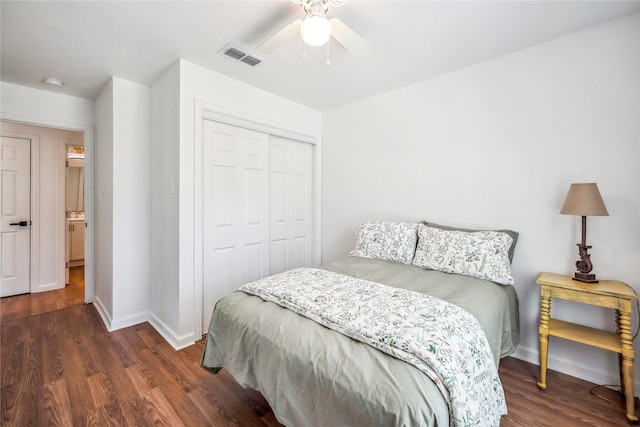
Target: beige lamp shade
x: 584, y: 200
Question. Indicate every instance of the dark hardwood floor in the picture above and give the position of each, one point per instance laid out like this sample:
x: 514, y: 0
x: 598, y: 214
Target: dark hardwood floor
x: 567, y: 401
x: 62, y: 368
x: 19, y: 306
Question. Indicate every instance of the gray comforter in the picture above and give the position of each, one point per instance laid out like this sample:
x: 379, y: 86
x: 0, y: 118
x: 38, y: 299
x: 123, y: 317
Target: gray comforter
x: 312, y: 376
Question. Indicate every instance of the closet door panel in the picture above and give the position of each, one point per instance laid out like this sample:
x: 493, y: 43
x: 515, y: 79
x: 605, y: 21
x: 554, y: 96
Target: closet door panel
x: 223, y: 186
x: 235, y: 210
x: 290, y: 196
x: 218, y: 269
x: 302, y: 247
x: 278, y: 255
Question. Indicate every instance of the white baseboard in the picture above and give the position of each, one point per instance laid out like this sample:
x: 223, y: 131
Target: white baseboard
x: 103, y: 312
x: 129, y: 321
x: 115, y: 324
x: 587, y: 373
x: 176, y: 341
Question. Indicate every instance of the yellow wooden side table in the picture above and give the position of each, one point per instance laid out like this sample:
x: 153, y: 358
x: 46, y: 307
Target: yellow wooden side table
x: 606, y: 293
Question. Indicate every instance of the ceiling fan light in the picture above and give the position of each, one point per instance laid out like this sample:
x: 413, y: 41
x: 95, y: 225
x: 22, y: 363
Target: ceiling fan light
x: 315, y: 30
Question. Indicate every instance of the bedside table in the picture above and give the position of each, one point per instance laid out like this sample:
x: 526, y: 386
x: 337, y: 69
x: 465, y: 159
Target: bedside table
x: 605, y: 293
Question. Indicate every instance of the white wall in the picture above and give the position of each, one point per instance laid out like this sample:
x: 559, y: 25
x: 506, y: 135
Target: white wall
x: 123, y: 181
x: 497, y: 145
x: 172, y: 305
x: 164, y: 289
x: 48, y: 229
x: 103, y: 300
x: 41, y: 107
x: 132, y: 201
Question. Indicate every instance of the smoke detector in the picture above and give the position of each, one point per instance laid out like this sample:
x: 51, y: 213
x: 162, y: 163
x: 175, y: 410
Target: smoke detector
x: 50, y: 81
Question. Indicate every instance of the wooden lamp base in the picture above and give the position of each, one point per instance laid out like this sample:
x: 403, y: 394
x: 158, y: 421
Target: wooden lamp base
x: 585, y: 277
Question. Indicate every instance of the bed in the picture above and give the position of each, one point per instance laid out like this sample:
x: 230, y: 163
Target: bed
x: 312, y: 375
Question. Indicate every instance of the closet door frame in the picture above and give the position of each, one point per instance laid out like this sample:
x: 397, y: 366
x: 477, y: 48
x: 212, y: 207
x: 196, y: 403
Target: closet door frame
x: 206, y: 111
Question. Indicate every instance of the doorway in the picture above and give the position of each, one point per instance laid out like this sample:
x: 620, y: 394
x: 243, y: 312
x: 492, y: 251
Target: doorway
x: 74, y: 210
x: 49, y: 220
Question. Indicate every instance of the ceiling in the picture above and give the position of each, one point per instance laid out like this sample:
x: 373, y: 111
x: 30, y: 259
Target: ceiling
x: 84, y: 43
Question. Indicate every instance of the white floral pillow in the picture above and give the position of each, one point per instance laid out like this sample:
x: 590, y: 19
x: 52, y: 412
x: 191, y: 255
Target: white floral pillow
x: 391, y: 241
x: 481, y: 254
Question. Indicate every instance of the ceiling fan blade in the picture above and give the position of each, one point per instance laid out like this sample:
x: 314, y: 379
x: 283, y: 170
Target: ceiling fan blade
x: 278, y: 39
x: 349, y: 39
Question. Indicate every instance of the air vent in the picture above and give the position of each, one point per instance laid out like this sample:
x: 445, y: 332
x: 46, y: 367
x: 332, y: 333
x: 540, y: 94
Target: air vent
x: 238, y: 54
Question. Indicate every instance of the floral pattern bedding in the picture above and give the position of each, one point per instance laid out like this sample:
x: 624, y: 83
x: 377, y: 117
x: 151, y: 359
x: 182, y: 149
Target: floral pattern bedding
x: 391, y: 241
x: 441, y: 339
x: 481, y: 254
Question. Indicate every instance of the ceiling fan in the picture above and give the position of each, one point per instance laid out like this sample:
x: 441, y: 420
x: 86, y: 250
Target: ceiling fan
x: 316, y: 29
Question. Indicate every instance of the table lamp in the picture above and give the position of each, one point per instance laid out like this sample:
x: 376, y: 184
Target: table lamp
x: 584, y: 200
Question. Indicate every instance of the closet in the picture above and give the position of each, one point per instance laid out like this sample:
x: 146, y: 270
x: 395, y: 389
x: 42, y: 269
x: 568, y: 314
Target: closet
x: 256, y: 208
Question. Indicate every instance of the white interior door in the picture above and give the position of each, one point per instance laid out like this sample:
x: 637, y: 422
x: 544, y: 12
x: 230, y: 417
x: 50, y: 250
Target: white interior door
x: 235, y: 210
x: 15, y: 211
x: 290, y: 204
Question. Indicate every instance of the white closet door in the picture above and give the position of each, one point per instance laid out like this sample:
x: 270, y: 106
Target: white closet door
x: 291, y: 202
x: 235, y: 203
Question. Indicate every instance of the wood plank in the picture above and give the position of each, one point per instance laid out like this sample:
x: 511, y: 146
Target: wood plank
x: 94, y: 418
x: 101, y: 389
x: 234, y: 401
x: 115, y: 385
x: 172, y: 362
x: 158, y: 411
x: 37, y: 304
x: 210, y: 407
x: 113, y: 414
x: 12, y: 350
x: 94, y: 324
x: 17, y: 405
x: 119, y: 386
x: 174, y: 384
x: 125, y: 356
x: 10, y: 308
x: 142, y: 380
x: 53, y: 365
x: 54, y: 407
x: 80, y: 397
x: 129, y: 339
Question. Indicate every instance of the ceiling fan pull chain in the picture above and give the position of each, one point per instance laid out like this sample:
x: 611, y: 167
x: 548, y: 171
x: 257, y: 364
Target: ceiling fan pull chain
x: 328, y: 53
x: 304, y: 49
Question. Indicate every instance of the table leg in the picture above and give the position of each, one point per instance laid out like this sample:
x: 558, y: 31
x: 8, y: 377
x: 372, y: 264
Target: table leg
x: 626, y: 359
x: 545, y: 309
x: 620, y: 368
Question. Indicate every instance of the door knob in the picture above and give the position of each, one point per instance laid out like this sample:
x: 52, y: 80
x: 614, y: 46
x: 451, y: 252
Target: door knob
x: 21, y: 223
